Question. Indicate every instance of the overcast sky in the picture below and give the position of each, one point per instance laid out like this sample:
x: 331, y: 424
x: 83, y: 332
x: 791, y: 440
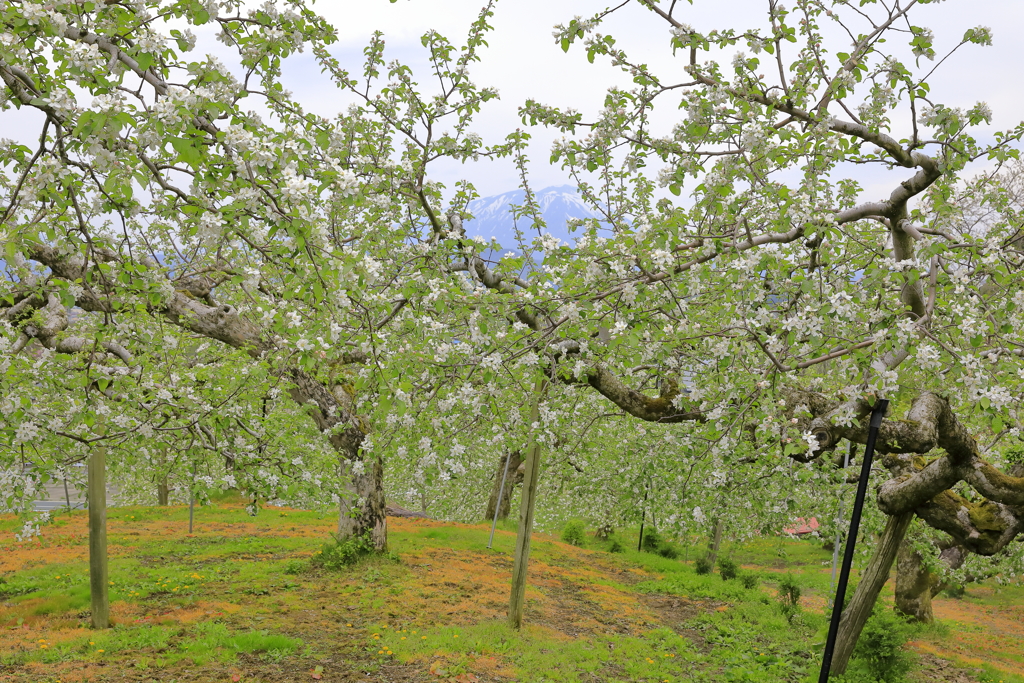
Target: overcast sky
x: 523, y: 61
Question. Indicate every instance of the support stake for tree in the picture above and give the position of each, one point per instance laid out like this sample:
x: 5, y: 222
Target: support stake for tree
x: 67, y: 495
x: 497, y: 507
x: 851, y: 538
x: 98, y: 586
x: 526, y: 507
x: 643, y: 518
x: 192, y: 499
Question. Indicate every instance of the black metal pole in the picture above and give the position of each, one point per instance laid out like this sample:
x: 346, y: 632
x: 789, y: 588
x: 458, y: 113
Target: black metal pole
x: 643, y: 518
x: 851, y: 538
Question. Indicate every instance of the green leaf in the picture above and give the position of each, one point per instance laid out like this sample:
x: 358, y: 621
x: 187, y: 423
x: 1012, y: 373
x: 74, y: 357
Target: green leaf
x: 186, y: 151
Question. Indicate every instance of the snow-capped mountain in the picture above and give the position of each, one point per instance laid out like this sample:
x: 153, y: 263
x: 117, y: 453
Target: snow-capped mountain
x: 492, y: 216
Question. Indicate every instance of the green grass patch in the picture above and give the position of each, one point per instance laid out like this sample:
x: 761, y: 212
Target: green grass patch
x: 537, y: 654
x: 162, y: 645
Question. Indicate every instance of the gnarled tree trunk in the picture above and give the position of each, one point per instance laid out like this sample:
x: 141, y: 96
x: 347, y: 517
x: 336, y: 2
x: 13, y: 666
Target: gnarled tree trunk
x: 516, y: 467
x: 330, y: 406
x: 163, y: 491
x: 916, y: 585
x: 364, y: 507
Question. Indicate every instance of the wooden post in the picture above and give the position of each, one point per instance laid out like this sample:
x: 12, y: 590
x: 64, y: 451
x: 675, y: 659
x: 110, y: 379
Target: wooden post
x: 191, y: 511
x: 497, y: 506
x: 530, y: 476
x: 192, y: 499
x: 716, y: 541
x: 874, y: 576
x: 98, y: 586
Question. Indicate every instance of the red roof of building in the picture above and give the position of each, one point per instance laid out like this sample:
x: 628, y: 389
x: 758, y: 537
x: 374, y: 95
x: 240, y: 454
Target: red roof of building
x: 802, y: 526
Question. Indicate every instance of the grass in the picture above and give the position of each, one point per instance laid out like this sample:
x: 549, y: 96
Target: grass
x: 240, y: 598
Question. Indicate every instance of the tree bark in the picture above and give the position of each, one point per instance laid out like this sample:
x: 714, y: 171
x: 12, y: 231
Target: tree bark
x: 514, y: 478
x: 98, y: 586
x: 365, y: 511
x: 162, y: 491
x: 872, y: 579
x: 915, y: 584
x: 521, y: 561
x: 331, y: 406
x: 953, y: 557
x: 363, y: 505
x: 925, y: 486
